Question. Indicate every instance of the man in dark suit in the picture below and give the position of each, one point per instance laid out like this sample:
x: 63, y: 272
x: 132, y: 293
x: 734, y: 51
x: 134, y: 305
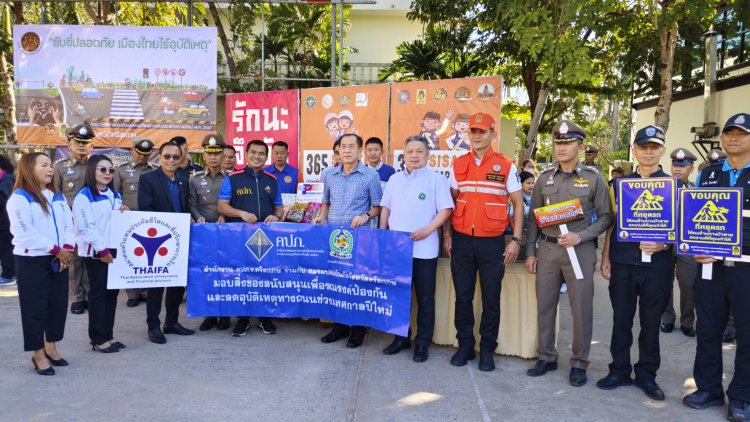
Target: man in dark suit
x: 162, y: 190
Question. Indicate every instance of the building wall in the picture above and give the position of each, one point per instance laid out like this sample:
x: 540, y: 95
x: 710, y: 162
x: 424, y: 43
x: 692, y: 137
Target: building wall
x: 688, y: 113
x: 376, y: 35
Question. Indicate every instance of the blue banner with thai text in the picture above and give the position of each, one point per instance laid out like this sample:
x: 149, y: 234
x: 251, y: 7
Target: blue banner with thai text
x: 352, y: 276
x: 646, y: 210
x: 711, y: 222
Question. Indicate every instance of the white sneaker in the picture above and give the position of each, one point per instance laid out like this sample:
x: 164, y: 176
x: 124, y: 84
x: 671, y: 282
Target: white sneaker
x: 7, y: 281
x: 564, y: 288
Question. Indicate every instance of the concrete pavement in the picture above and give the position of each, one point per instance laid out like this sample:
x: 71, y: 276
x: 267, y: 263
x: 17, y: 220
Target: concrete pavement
x: 292, y: 376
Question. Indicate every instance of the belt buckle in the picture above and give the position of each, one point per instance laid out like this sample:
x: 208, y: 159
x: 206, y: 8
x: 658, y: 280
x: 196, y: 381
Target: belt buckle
x: 728, y: 263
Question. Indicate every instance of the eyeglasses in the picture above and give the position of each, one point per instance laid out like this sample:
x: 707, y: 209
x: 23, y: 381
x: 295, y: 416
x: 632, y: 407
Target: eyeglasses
x: 106, y: 170
x: 175, y: 157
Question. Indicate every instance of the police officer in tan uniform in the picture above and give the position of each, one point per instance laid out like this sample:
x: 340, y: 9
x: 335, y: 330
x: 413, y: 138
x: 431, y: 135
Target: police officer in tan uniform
x: 68, y: 179
x: 126, y: 182
x: 569, y: 179
x: 203, y: 195
x: 685, y: 267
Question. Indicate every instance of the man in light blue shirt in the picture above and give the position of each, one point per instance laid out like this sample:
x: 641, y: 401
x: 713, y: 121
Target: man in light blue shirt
x: 351, y: 197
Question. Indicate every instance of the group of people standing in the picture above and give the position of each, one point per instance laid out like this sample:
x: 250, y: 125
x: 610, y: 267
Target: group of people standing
x: 473, y: 207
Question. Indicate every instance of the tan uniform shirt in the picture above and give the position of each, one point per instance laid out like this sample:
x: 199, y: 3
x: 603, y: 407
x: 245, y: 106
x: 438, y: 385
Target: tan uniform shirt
x: 68, y: 177
x: 126, y: 182
x: 203, y: 195
x: 554, y: 186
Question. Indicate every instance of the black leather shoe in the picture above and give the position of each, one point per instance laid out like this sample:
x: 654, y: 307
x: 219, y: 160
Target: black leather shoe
x: 399, y: 344
x: 462, y: 356
x: 156, y: 336
x: 208, y: 323
x: 420, y: 353
x: 56, y: 362
x: 132, y: 303
x: 118, y: 345
x: 702, y: 399
x: 577, y: 377
x: 667, y: 327
x: 486, y: 361
x: 688, y: 331
x: 541, y: 367
x: 77, y: 308
x: 651, y: 388
x: 334, y: 335
x: 355, y: 341
x: 739, y: 411
x: 48, y: 371
x: 109, y: 349
x: 85, y: 304
x: 178, y: 329
x: 727, y: 337
x: 223, y: 324
x: 612, y: 381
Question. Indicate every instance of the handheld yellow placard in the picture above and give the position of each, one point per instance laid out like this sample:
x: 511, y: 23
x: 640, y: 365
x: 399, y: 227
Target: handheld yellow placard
x: 559, y: 214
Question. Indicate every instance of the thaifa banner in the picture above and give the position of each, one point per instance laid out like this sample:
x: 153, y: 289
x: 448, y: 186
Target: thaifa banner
x: 646, y: 210
x: 157, y: 82
x: 440, y: 111
x: 287, y: 270
x: 268, y: 116
x: 327, y: 113
x: 710, y: 222
x: 151, y: 249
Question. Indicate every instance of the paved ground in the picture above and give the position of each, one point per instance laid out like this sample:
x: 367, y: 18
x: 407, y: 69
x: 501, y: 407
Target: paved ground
x: 292, y: 376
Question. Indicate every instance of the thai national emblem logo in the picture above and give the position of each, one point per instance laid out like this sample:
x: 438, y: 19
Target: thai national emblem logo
x: 259, y: 244
x: 153, y: 241
x: 648, y: 202
x: 341, y: 243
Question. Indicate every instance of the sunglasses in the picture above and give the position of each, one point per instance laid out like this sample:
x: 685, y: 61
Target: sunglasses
x: 105, y: 170
x: 175, y: 157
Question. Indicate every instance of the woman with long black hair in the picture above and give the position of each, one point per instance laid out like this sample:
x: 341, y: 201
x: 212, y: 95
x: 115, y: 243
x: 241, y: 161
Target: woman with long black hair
x: 43, y: 237
x: 92, y: 213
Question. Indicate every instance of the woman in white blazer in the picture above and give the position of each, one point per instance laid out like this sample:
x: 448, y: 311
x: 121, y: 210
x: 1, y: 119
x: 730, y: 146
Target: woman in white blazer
x: 92, y: 214
x: 43, y: 237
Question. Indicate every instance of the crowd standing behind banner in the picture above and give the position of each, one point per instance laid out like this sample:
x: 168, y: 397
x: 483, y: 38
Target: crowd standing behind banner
x: 483, y: 186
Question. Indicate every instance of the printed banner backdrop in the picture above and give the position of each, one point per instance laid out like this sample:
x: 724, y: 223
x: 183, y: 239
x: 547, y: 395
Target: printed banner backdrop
x: 440, y: 111
x: 269, y: 116
x: 157, y: 82
x: 646, y: 210
x: 327, y: 113
x: 711, y: 222
x: 287, y: 270
x: 152, y: 249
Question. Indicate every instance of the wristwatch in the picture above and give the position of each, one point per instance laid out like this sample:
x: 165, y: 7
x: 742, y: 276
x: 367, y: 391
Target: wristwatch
x: 517, y: 239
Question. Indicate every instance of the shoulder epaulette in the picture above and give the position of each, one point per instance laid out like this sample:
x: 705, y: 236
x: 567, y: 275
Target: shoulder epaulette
x: 123, y: 164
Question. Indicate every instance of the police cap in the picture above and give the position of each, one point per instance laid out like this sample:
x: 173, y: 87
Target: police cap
x: 716, y: 156
x: 81, y: 133
x: 143, y: 145
x: 682, y: 157
x: 566, y: 131
x: 213, y: 144
x: 740, y: 121
x: 179, y: 140
x: 653, y: 134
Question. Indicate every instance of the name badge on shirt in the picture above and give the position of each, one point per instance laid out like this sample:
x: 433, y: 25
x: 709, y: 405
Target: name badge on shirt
x: 496, y: 177
x: 580, y: 183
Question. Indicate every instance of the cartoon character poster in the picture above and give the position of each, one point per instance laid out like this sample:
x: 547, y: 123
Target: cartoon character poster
x: 327, y: 113
x: 440, y: 111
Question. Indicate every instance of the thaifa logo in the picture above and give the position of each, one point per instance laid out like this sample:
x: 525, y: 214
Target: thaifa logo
x: 150, y: 246
x: 341, y: 243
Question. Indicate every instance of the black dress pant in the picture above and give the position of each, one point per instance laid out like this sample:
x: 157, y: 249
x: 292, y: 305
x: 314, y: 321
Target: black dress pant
x: 7, y: 261
x: 102, y: 302
x: 469, y: 255
x: 648, y: 288
x: 352, y: 330
x: 43, y: 295
x: 423, y: 279
x: 171, y: 302
x: 728, y: 289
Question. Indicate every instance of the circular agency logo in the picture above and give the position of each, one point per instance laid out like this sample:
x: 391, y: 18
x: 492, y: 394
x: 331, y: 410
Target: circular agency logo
x: 150, y: 246
x: 341, y: 243
x: 30, y: 42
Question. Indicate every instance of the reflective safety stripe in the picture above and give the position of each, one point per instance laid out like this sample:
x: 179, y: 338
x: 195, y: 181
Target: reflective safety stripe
x: 491, y: 191
x: 488, y: 183
x: 496, y: 204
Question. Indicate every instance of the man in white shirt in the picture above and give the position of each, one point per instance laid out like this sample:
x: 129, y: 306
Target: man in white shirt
x: 418, y: 200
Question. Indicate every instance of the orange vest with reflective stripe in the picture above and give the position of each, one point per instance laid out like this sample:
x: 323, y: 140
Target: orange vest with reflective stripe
x: 482, y: 203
